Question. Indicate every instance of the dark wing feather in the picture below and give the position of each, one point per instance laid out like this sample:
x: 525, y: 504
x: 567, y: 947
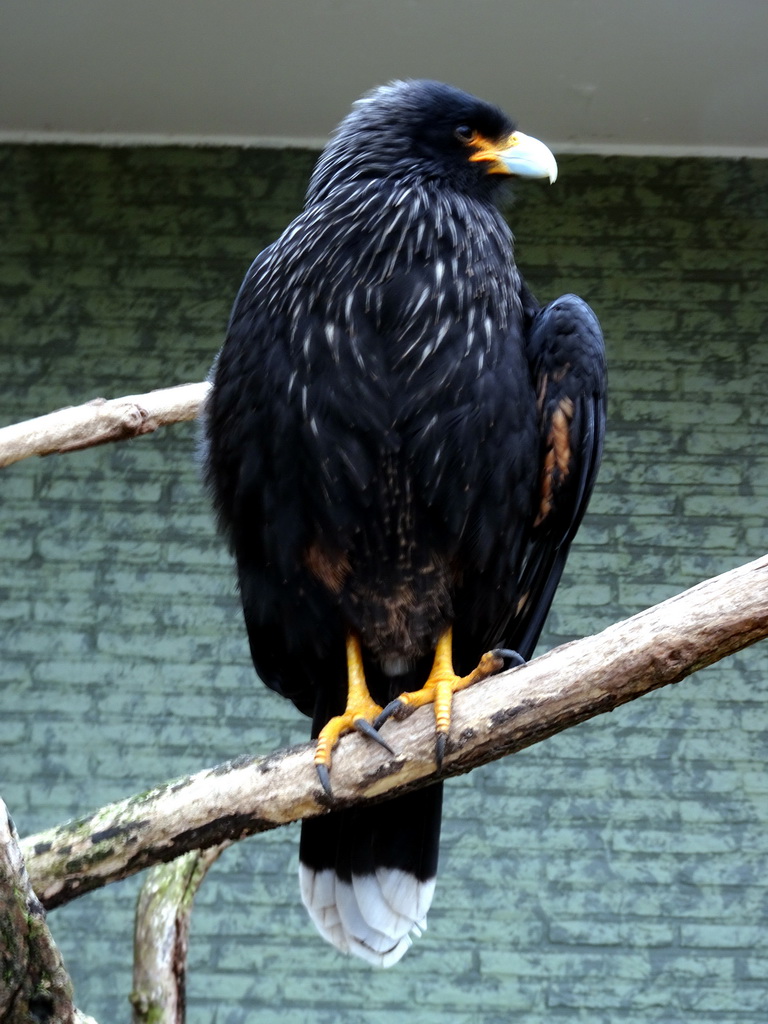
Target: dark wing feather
x: 256, y: 464
x: 567, y: 359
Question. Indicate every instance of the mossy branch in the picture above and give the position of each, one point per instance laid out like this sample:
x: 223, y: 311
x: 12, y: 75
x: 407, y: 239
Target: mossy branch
x: 492, y: 719
x: 161, y: 937
x: 34, y: 985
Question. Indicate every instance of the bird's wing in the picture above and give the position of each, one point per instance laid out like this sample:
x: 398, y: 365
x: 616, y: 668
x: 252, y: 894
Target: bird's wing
x: 566, y: 355
x: 254, y: 459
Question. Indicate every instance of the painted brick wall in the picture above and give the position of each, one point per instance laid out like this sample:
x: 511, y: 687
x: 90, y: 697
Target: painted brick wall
x: 616, y: 872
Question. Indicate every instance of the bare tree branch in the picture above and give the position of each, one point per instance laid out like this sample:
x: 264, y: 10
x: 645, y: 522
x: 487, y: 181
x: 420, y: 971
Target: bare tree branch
x: 502, y: 715
x: 100, y: 421
x: 161, y: 937
x: 34, y: 985
x: 195, y: 817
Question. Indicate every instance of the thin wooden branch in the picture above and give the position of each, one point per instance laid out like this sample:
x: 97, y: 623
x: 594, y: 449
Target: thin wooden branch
x: 100, y: 421
x: 34, y: 985
x: 161, y: 937
x: 502, y: 715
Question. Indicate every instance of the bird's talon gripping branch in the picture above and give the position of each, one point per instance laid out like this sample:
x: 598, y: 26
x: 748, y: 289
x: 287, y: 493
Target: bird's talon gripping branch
x: 514, y: 657
x: 325, y: 778
x: 399, y: 708
x: 441, y: 742
x: 360, y: 712
x: 490, y: 663
x: 367, y: 729
x: 440, y: 688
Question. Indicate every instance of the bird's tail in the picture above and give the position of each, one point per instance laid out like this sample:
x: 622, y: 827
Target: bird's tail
x: 367, y: 874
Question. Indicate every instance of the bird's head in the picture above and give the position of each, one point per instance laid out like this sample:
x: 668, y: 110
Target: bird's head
x: 425, y: 130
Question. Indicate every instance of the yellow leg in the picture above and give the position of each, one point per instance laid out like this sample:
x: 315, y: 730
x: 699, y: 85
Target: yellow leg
x: 440, y: 688
x: 360, y: 712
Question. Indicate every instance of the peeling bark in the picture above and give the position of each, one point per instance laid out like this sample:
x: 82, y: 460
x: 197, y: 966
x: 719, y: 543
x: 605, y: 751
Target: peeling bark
x: 491, y: 719
x: 34, y: 986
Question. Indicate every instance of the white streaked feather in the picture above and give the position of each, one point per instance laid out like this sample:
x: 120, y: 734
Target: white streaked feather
x: 306, y: 343
x: 377, y: 912
x: 488, y: 328
x: 352, y: 919
x: 405, y: 894
x: 332, y: 337
x: 318, y: 894
x: 387, y: 959
x: 417, y: 305
x: 373, y: 917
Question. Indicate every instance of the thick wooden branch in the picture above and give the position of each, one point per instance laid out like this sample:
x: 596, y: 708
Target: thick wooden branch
x: 504, y: 714
x: 161, y: 937
x: 100, y: 421
x: 34, y: 986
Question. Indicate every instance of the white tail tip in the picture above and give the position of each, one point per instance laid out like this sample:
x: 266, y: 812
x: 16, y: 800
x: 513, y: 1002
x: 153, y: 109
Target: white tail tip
x: 373, y: 916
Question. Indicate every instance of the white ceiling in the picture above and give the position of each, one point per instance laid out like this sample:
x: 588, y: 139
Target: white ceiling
x: 633, y: 76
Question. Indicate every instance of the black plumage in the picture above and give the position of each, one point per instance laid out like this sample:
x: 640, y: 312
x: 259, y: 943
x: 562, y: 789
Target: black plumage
x: 399, y: 441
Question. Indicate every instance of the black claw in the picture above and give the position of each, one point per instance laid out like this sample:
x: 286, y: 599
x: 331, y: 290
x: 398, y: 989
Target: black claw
x: 507, y: 655
x: 441, y: 740
x: 393, y: 710
x: 325, y: 778
x: 367, y: 729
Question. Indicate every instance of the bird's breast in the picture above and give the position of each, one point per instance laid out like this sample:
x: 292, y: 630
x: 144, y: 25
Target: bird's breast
x: 397, y: 331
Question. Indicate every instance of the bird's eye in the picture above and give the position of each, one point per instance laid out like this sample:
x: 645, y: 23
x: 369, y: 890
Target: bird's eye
x: 465, y: 134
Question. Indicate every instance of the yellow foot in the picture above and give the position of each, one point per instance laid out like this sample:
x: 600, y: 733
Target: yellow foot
x: 360, y: 713
x: 440, y: 688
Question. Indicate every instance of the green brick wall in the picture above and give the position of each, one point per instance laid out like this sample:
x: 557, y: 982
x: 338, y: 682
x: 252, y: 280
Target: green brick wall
x: 616, y: 872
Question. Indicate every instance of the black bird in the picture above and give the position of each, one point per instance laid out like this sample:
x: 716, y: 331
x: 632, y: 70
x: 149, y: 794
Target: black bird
x: 400, y: 444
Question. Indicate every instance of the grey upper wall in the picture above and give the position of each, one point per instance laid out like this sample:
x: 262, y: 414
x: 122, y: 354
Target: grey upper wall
x: 586, y: 75
x: 613, y: 873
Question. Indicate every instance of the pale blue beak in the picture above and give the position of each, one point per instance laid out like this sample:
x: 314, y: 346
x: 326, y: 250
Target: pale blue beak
x: 520, y: 155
